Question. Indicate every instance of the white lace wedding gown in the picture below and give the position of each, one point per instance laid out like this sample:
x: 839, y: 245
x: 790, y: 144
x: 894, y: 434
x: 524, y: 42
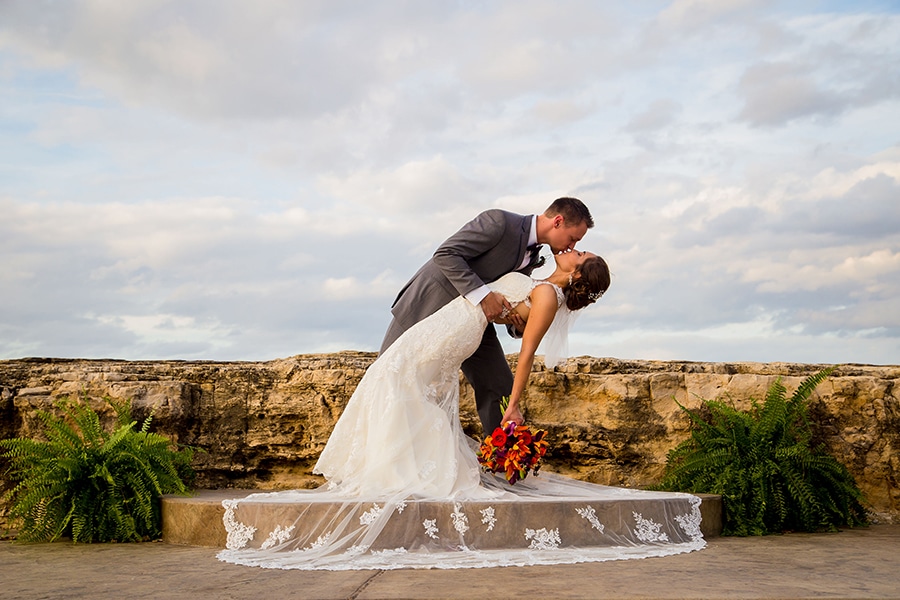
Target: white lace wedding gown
x: 404, y: 487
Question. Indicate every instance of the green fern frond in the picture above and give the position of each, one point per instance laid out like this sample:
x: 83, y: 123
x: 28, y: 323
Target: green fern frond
x: 808, y: 385
x: 776, y: 392
x: 145, y: 427
x: 59, y: 432
x: 124, y: 431
x: 87, y: 421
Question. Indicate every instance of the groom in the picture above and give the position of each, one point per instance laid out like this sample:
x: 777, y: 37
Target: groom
x: 494, y: 243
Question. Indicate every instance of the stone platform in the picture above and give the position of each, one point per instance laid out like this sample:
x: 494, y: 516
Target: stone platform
x: 198, y: 520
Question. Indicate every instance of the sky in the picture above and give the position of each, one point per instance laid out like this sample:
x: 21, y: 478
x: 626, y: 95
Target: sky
x: 227, y: 180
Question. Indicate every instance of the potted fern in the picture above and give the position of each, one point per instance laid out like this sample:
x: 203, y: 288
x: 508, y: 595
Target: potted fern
x: 89, y: 484
x: 763, y: 463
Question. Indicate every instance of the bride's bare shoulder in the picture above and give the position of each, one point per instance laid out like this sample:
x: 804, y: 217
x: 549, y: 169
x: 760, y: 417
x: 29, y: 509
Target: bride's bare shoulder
x: 544, y: 293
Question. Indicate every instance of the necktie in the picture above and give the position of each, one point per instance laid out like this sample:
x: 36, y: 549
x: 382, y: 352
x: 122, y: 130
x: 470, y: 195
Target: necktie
x: 535, y: 259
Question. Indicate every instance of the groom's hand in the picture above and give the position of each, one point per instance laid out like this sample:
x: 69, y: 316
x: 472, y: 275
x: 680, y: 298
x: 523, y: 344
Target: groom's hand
x: 493, y: 306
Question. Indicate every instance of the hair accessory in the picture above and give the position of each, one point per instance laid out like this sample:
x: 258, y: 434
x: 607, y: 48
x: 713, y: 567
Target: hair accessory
x: 594, y: 296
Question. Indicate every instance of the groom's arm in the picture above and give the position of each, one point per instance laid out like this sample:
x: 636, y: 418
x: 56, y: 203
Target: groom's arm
x: 455, y: 257
x: 476, y: 237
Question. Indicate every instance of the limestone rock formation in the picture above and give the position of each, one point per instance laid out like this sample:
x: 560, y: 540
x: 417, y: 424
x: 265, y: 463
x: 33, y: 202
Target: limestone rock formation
x: 263, y: 424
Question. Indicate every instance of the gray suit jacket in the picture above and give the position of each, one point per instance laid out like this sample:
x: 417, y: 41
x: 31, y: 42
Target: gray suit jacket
x: 486, y: 248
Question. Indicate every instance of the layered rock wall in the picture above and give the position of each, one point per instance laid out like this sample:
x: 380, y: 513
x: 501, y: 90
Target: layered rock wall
x: 263, y: 424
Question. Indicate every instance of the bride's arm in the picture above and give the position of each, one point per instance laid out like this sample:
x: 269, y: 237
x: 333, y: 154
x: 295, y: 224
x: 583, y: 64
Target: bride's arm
x: 543, y: 309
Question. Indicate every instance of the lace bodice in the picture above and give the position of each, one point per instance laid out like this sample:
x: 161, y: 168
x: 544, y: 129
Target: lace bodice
x: 517, y: 287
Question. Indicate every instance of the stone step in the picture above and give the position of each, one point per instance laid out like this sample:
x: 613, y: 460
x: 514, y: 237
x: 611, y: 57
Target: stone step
x: 197, y: 520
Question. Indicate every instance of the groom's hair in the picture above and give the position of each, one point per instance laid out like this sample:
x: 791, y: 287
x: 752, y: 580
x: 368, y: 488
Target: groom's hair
x: 572, y: 210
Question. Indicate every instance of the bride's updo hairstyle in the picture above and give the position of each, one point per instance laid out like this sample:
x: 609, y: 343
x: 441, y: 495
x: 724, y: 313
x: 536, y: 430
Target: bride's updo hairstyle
x: 587, y: 289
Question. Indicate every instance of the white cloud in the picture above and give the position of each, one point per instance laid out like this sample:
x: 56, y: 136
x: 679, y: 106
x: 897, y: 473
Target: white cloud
x: 165, y: 329
x: 778, y: 93
x: 811, y: 270
x: 656, y: 116
x: 415, y: 187
x: 700, y: 13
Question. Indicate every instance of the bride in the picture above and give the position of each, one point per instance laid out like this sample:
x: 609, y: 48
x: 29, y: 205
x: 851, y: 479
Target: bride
x: 403, y: 484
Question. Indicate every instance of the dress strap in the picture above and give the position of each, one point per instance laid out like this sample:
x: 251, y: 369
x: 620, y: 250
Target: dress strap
x: 560, y: 294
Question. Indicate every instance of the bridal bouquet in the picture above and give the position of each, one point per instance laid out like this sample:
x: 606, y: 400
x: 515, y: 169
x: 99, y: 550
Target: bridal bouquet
x: 513, y: 450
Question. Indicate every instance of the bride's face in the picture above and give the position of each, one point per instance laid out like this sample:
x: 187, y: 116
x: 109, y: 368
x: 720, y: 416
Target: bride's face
x: 570, y: 261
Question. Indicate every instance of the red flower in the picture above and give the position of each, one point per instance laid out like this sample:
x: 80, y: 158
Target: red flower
x: 498, y: 438
x: 524, y: 436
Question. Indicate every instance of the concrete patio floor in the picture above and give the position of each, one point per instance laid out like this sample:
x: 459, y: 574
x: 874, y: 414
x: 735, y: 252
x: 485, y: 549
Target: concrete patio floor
x: 855, y: 563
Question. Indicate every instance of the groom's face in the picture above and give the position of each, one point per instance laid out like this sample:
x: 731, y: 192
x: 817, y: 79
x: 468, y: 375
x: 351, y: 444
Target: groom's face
x: 563, y: 237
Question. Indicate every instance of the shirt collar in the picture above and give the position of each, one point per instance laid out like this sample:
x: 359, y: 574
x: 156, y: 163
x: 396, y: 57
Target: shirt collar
x: 532, y: 236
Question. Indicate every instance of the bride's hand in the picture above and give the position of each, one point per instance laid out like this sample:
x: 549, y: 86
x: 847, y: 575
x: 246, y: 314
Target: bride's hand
x: 512, y: 414
x: 516, y: 320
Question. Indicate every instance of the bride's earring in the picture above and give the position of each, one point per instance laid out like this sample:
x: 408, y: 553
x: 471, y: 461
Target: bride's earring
x: 570, y: 279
